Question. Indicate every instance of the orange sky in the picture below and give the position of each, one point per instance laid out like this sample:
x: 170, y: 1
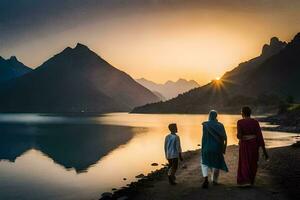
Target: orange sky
x: 192, y: 42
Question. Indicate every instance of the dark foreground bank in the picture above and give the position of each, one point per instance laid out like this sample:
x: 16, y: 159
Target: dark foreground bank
x: 288, y: 120
x: 278, y: 178
x: 282, y: 124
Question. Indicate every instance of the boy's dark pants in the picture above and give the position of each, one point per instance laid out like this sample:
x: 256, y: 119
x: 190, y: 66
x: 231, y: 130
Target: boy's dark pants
x: 172, y: 167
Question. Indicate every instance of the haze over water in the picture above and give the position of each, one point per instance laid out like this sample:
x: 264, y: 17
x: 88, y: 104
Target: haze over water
x: 76, y: 157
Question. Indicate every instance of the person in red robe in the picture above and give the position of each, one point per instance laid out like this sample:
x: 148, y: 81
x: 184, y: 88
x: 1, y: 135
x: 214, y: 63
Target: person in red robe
x: 250, y: 139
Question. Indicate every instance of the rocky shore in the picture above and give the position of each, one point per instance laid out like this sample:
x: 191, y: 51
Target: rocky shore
x: 288, y: 120
x: 278, y: 178
x: 148, y: 181
x: 281, y: 123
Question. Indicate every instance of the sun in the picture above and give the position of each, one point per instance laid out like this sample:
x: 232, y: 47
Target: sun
x: 217, y: 80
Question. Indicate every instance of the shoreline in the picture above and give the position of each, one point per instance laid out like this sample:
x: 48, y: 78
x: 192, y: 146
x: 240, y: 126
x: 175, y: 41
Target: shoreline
x: 279, y: 128
x: 270, y: 182
x: 278, y: 125
x: 131, y: 190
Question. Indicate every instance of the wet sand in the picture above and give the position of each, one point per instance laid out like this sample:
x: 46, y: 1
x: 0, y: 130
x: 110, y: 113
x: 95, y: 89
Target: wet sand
x: 278, y: 178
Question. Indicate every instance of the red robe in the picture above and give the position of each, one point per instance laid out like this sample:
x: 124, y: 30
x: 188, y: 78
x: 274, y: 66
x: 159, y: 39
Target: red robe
x: 248, y: 150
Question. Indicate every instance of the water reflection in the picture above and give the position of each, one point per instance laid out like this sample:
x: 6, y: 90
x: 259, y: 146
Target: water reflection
x: 75, y: 146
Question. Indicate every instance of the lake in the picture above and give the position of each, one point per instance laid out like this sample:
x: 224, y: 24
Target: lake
x: 79, y: 157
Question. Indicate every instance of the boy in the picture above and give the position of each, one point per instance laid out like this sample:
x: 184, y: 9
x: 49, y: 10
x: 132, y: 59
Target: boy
x: 172, y: 152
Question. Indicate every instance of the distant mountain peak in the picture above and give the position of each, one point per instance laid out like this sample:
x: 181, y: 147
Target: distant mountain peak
x: 142, y: 79
x: 296, y: 38
x: 13, y: 58
x: 194, y: 82
x: 169, y: 82
x: 274, y: 41
x: 12, y: 68
x: 182, y: 80
x: 169, y: 89
x: 274, y: 47
x: 81, y: 46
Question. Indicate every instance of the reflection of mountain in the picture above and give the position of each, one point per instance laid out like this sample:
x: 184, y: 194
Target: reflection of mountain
x: 14, y: 141
x: 70, y: 145
x: 262, y: 82
x: 75, y: 80
x: 170, y: 89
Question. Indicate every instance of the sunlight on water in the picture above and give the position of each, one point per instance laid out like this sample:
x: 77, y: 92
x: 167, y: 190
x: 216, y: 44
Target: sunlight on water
x: 76, y: 157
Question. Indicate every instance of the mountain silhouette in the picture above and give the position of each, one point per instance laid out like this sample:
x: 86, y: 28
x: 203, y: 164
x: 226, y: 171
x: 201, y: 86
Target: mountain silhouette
x: 75, y: 80
x: 170, y: 89
x: 268, y: 50
x: 262, y: 82
x: 12, y: 68
x: 279, y: 74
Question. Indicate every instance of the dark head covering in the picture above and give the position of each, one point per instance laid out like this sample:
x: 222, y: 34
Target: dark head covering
x: 213, y: 115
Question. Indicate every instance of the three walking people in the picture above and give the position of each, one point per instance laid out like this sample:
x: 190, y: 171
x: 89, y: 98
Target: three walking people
x: 213, y: 149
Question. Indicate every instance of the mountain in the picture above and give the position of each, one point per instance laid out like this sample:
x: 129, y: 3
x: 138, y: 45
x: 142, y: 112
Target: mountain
x: 268, y: 51
x: 170, y: 89
x: 279, y: 74
x: 75, y: 80
x: 12, y: 68
x: 262, y: 82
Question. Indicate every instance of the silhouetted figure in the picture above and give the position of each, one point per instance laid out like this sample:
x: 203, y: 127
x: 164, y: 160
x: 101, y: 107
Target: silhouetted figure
x: 250, y: 136
x: 172, y: 152
x: 214, y: 142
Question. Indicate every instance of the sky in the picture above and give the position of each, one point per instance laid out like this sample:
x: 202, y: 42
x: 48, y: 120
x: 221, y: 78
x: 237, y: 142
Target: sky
x: 158, y: 40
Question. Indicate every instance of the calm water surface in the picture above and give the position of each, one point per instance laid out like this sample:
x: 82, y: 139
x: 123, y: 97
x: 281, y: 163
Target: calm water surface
x: 75, y: 157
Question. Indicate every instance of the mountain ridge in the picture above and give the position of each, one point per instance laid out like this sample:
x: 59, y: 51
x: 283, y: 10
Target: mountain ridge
x: 169, y: 89
x: 244, y: 85
x: 12, y: 68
